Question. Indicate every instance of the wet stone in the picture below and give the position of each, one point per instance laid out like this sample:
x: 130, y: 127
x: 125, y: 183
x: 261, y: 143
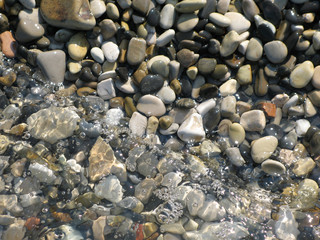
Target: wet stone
x: 28, y: 31
x: 191, y: 130
x: 276, y: 51
x: 273, y: 167
x: 206, y: 65
x: 151, y: 105
x: 263, y: 148
x: 289, y: 141
x: 253, y: 120
x: 136, y: 51
x: 110, y: 189
x: 151, y: 84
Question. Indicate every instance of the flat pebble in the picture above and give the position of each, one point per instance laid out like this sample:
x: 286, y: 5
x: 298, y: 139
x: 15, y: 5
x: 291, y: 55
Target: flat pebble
x: 253, y: 120
x: 167, y: 95
x: 262, y: 148
x: 254, y: 50
x: 167, y: 16
x: 273, y: 167
x: 151, y: 106
x: 302, y: 74
x: 187, y: 21
x: 97, y: 54
x: 219, y: 19
x: 229, y: 43
x: 239, y: 23
x: 276, y: 51
x: 230, y: 87
x: 111, y: 51
x: 27, y: 31
x: 136, y: 51
x: 106, y: 90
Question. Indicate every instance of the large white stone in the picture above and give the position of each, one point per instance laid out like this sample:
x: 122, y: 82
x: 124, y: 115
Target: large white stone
x: 191, y: 130
x: 110, y: 189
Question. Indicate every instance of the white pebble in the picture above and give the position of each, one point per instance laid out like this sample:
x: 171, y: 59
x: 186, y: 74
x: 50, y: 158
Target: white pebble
x: 302, y: 127
x: 97, y: 54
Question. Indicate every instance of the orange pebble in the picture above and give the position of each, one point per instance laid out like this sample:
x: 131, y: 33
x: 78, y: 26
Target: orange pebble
x: 8, y: 44
x: 32, y: 222
x: 269, y: 108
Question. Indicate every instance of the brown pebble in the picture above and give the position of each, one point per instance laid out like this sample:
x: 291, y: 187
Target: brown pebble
x: 67, y: 91
x: 176, y: 86
x: 32, y: 222
x: 116, y: 102
x: 268, y: 108
x: 8, y: 44
x: 85, y: 91
x: 8, y: 79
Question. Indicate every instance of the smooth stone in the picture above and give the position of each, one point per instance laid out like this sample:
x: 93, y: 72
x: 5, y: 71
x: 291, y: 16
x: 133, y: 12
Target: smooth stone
x: 253, y: 120
x: 276, y: 51
x: 268, y: 25
x: 191, y: 130
x: 273, y: 130
x: 127, y: 87
x: 250, y: 9
x: 163, y: 58
x: 187, y: 21
x: 180, y: 114
x: 196, y: 86
x: 112, y: 11
x: 302, y: 127
x: 108, y: 28
x: 165, y: 37
x: 29, y: 4
x: 242, y: 48
x: 206, y: 65
x: 151, y: 106
x: 136, y: 51
x: 167, y: 95
x: 15, y: 231
x: 141, y: 6
x: 165, y: 122
x: 53, y: 65
x: 78, y: 46
x: 8, y: 44
x: 314, y: 97
x: 153, y: 18
x: 220, y: 71
x: 302, y: 74
x: 309, y: 108
x: 219, y: 19
x: 273, y: 167
x: 244, y: 75
x: 72, y: 14
x: 106, y: 90
x: 27, y: 31
x: 204, y: 107
x: 195, y: 200
x: 316, y: 40
x: 208, y: 8
x: 98, y: 8
x: 229, y: 43
x: 107, y: 74
x: 97, y: 54
x: 228, y: 106
x: 289, y: 141
x: 223, y: 6
x: 189, y: 6
x: 4, y: 23
x: 160, y: 68
x: 271, y: 13
x: 262, y: 148
x: 187, y: 103
x: 138, y: 124
x: 186, y: 57
x: 239, y: 23
x: 237, y: 133
x: 167, y: 16
x: 316, y: 77
x: 151, y: 84
x: 303, y: 166
x: 230, y: 87
x: 235, y: 157
x: 52, y: 124
x: 254, y: 50
x: 31, y: 14
x: 8, y: 79
x: 111, y: 51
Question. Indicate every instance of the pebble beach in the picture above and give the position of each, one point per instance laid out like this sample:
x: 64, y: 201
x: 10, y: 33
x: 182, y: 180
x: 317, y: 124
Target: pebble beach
x: 159, y: 119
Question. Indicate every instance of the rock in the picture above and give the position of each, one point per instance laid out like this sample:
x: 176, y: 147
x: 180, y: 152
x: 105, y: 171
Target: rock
x: 206, y: 65
x: 136, y: 51
x: 8, y: 44
x: 42, y: 173
x: 15, y: 231
x: 219, y: 19
x: 97, y: 54
x: 108, y: 28
x: 229, y: 43
x: 29, y: 4
x: 250, y: 9
x: 316, y: 77
x: 167, y: 16
x: 144, y: 190
x: 53, y: 65
x: 302, y: 127
x: 205, y: 106
x: 286, y: 226
x: 239, y: 23
x: 141, y: 6
x: 52, y: 124
x: 273, y: 167
x: 167, y: 95
x: 191, y: 130
x: 138, y: 124
x: 98, y: 8
x: 100, y: 223
x: 27, y: 31
x: 211, y: 211
x: 151, y: 106
x: 187, y: 21
x: 276, y: 51
x: 71, y: 14
x: 303, y: 166
x: 113, y: 117
x: 8, y: 78
x: 235, y: 157
x: 151, y: 84
x: 244, y: 75
x: 127, y: 87
x: 230, y: 87
x: 78, y: 46
x: 254, y: 50
x: 237, y: 133
x: 262, y: 148
x: 302, y: 74
x: 306, y: 195
x: 186, y: 57
x: 195, y: 200
x: 110, y: 189
x: 189, y: 6
x: 165, y: 38
x: 209, y: 149
x: 253, y: 120
x: 105, y: 89
x: 111, y: 51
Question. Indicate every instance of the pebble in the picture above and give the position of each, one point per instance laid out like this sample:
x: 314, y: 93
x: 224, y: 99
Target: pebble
x: 29, y: 4
x: 211, y: 211
x: 151, y: 84
x: 302, y: 127
x: 244, y: 75
x: 98, y: 8
x: 276, y: 51
x: 235, y: 157
x: 106, y: 90
x: 111, y: 51
x: 239, y: 23
x: 167, y: 16
x: 167, y: 95
x: 228, y: 106
x: 254, y: 50
x: 165, y: 122
x: 52, y: 124
x: 138, y: 124
x: 219, y: 19
x: 302, y: 74
x: 108, y: 29
x: 191, y: 130
x: 53, y: 65
x: 165, y: 37
x: 128, y: 87
x: 65, y: 14
x: 195, y: 200
x: 206, y: 65
x: 230, y: 87
x: 250, y: 9
x: 237, y: 133
x: 262, y: 148
x: 136, y: 51
x: 151, y: 106
x: 42, y: 173
x: 189, y: 6
x: 27, y: 31
x: 229, y: 43
x: 15, y: 231
x: 204, y: 107
x: 273, y: 167
x: 97, y: 54
x: 187, y: 21
x: 303, y: 166
x: 141, y: 6
x: 316, y: 77
x: 110, y: 189
x: 253, y: 120
x: 78, y: 46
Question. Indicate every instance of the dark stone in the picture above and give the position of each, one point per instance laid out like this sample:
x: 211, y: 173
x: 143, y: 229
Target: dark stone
x: 187, y: 103
x: 190, y: 44
x: 273, y: 130
x: 94, y: 33
x: 153, y: 17
x: 309, y: 134
x: 214, y: 46
x: 315, y: 144
x: 235, y: 61
x: 292, y: 16
x: 4, y: 23
x: 211, y: 119
x: 208, y: 91
x: 186, y: 87
x: 151, y: 84
x: 96, y: 69
x: 265, y: 33
x: 310, y: 7
x: 292, y: 40
x: 3, y: 100
x: 86, y: 75
x: 289, y: 141
x: 122, y: 73
x: 271, y: 12
x: 283, y: 71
